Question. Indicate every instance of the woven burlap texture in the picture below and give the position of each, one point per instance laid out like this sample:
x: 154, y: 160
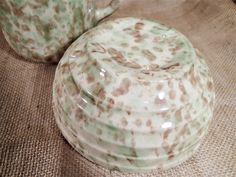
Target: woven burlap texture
x: 31, y: 143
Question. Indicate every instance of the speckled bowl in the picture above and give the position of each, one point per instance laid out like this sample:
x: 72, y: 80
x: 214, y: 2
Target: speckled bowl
x: 133, y: 95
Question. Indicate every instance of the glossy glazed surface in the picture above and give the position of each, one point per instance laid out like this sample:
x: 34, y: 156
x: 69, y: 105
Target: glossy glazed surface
x: 42, y: 30
x: 133, y: 95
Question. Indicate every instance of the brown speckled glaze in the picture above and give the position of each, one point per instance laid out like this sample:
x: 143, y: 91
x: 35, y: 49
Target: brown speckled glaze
x: 41, y: 30
x: 133, y: 95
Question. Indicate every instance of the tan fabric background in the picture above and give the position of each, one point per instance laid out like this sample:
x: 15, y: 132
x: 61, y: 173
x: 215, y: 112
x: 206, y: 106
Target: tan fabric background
x: 31, y: 144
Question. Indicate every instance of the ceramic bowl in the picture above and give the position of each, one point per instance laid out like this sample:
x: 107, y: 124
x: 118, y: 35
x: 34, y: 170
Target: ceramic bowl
x: 133, y: 95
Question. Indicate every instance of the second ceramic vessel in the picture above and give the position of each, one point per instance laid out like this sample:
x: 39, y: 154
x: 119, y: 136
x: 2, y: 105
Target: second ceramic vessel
x: 41, y: 31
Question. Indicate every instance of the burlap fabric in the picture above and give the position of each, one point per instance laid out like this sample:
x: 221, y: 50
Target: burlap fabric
x: 31, y: 143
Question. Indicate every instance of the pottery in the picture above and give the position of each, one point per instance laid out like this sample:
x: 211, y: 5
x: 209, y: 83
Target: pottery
x: 41, y: 30
x: 133, y: 95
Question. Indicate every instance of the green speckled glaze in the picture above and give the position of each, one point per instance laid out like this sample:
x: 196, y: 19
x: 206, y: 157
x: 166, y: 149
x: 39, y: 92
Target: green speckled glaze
x: 41, y: 30
x: 133, y: 95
